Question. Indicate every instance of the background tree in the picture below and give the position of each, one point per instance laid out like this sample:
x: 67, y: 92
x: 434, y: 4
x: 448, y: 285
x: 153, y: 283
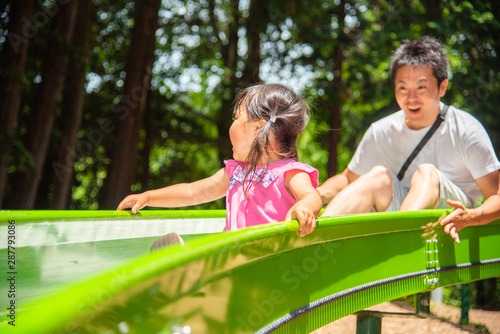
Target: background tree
x: 130, y: 110
x: 44, y: 107
x: 13, y: 63
x: 72, y: 107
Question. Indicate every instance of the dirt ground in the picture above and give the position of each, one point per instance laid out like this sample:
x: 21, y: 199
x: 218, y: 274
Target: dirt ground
x: 444, y: 319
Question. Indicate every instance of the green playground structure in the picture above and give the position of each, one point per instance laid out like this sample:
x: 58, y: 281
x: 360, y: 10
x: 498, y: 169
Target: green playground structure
x: 92, y: 271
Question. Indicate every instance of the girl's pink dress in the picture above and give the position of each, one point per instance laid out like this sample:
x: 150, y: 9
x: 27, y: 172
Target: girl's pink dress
x: 267, y: 200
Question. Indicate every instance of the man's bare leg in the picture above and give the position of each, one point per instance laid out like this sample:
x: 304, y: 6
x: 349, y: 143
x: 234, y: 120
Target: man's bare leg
x: 373, y: 189
x: 424, y: 189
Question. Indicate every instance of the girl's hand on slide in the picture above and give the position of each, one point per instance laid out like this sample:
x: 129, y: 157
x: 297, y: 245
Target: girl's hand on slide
x: 136, y: 202
x: 306, y: 218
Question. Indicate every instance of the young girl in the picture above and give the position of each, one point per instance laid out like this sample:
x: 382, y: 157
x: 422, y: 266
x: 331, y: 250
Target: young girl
x: 264, y: 183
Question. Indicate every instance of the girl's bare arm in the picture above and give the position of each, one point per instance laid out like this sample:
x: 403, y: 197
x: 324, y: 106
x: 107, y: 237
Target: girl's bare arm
x: 308, y: 204
x: 179, y: 195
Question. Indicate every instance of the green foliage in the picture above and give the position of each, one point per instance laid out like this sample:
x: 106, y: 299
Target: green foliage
x: 194, y: 84
x: 484, y: 294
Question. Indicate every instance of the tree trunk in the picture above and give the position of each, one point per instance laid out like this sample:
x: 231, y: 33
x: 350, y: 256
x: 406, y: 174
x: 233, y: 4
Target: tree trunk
x: 45, y: 107
x: 434, y: 13
x: 122, y: 170
x: 335, y: 117
x: 256, y: 23
x: 72, y: 108
x: 13, y: 63
x: 230, y: 58
x: 337, y: 102
x: 146, y: 150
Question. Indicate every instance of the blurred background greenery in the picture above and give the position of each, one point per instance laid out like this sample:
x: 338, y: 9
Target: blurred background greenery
x: 107, y: 97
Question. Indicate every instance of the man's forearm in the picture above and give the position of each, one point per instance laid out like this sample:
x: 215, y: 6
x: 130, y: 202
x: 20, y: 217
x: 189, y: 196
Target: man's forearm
x: 331, y: 187
x: 488, y: 211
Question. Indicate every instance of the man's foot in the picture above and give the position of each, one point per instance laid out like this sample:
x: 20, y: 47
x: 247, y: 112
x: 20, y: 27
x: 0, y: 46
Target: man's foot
x: 167, y: 240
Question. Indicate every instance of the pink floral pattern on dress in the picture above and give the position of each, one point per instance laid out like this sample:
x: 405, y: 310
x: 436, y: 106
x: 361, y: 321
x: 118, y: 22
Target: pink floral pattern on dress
x: 263, y: 176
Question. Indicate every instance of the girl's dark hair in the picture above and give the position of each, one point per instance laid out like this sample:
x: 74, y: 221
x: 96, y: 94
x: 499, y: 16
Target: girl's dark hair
x: 425, y: 51
x: 286, y: 114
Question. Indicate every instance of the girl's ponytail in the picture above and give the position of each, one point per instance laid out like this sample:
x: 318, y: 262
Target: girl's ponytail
x: 286, y: 114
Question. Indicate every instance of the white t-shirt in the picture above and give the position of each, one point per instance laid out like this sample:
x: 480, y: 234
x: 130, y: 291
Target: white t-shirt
x: 460, y: 148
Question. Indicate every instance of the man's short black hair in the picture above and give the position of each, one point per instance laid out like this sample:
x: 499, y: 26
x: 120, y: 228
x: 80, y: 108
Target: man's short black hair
x: 425, y: 51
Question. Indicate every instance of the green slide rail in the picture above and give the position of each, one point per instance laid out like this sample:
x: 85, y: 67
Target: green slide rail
x: 86, y: 274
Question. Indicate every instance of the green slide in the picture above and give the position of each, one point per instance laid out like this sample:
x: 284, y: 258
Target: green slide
x: 92, y: 272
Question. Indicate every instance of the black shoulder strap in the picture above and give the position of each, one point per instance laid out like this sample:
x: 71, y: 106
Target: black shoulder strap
x: 424, y: 140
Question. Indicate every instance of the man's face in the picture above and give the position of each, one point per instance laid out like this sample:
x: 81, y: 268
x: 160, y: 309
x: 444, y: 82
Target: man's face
x: 418, y: 94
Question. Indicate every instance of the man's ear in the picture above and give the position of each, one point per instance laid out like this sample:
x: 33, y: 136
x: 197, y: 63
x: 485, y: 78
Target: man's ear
x: 442, y: 87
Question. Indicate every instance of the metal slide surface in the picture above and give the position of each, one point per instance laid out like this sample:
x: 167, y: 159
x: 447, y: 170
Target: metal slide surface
x: 91, y: 271
x: 57, y: 247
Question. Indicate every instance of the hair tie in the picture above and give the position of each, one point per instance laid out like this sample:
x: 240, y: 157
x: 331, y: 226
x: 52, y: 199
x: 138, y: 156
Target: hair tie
x: 272, y: 119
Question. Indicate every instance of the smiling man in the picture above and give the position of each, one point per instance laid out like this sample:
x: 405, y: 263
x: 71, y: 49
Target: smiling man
x: 455, y: 165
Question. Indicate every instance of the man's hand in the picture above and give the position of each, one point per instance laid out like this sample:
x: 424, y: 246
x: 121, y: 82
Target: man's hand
x: 457, y: 220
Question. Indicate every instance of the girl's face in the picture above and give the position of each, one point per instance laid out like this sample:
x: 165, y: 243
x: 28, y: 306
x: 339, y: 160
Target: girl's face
x: 242, y: 134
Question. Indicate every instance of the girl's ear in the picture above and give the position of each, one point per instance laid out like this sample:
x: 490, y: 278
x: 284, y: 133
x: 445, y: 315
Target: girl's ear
x: 259, y: 124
